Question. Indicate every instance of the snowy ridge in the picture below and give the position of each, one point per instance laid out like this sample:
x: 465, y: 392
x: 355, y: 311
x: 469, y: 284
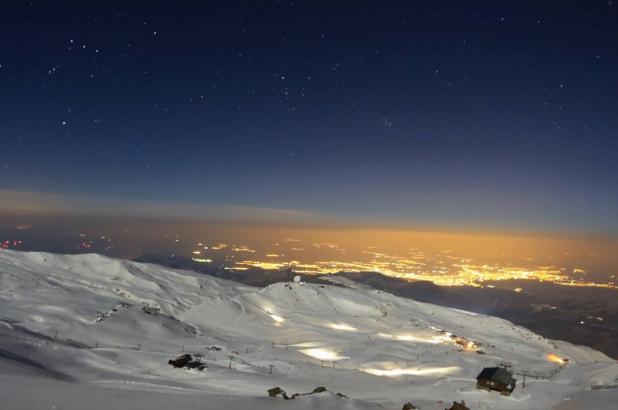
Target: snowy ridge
x: 105, y: 323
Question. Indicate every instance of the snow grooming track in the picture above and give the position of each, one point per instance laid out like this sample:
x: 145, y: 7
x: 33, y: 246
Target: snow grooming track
x: 367, y: 344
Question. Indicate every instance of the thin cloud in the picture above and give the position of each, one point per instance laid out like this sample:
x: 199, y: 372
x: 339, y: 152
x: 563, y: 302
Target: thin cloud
x: 40, y: 203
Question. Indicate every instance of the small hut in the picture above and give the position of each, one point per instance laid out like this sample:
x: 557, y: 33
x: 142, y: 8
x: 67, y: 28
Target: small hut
x: 496, y: 378
x: 180, y: 361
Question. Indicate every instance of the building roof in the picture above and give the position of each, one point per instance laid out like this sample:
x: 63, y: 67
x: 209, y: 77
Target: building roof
x: 497, y: 374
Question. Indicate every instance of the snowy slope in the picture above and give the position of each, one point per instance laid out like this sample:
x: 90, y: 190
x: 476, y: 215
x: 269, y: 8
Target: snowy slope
x: 88, y: 325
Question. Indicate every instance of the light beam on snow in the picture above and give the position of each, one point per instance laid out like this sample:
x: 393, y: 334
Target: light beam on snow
x: 556, y: 359
x: 278, y: 319
x: 428, y: 371
x: 323, y: 354
x: 307, y: 344
x: 434, y: 339
x: 343, y: 326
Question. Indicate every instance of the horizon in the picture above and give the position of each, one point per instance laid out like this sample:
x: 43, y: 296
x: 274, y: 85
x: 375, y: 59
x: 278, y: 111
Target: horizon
x: 24, y: 206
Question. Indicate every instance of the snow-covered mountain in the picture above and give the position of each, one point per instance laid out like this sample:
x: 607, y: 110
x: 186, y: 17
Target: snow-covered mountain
x: 93, y: 332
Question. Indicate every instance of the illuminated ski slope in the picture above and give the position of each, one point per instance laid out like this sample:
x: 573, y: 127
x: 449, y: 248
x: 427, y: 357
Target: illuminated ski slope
x: 101, y: 324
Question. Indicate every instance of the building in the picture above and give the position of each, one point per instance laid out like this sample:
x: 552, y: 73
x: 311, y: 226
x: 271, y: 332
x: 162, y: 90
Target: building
x: 496, y: 378
x: 180, y: 361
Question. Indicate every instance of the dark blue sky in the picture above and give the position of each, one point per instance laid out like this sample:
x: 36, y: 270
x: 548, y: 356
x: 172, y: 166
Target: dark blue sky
x: 477, y: 113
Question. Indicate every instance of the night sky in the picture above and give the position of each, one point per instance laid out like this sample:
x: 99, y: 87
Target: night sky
x: 482, y: 113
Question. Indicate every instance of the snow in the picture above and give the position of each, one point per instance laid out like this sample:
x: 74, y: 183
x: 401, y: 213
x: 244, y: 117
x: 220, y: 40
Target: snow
x: 591, y: 399
x: 90, y: 329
